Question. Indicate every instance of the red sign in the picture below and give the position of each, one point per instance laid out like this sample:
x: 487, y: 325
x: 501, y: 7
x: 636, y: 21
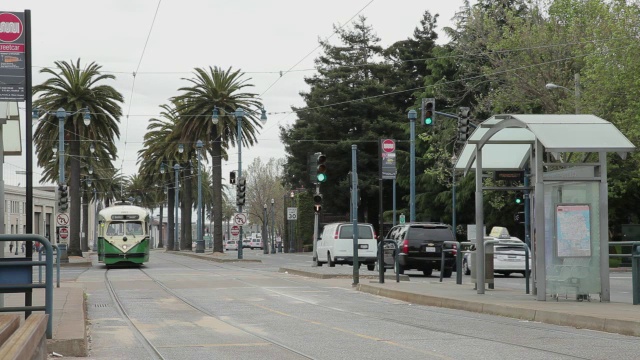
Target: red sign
x: 11, y: 27
x: 388, y: 145
x: 235, y: 230
x: 64, y: 233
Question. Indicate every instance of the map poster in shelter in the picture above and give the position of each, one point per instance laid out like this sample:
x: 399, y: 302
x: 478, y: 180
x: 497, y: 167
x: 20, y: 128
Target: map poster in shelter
x: 573, y: 230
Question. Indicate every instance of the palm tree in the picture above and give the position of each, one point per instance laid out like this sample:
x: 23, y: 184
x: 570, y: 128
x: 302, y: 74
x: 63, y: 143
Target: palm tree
x: 160, y: 150
x: 73, y: 88
x: 222, y: 89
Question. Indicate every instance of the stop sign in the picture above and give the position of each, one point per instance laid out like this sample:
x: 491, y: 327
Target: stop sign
x: 388, y: 145
x: 64, y: 233
x: 235, y: 230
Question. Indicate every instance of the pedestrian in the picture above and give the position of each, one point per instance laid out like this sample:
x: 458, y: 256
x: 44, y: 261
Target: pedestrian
x: 23, y: 247
x: 10, y: 247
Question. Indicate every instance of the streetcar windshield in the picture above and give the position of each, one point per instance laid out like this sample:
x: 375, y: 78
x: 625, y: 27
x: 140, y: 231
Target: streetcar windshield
x: 115, y: 228
x: 135, y: 228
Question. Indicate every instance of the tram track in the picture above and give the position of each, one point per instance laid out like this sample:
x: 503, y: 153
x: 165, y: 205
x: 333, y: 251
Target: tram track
x: 519, y: 325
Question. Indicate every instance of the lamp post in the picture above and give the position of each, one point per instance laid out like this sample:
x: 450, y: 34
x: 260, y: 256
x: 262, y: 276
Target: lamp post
x: 239, y: 115
x: 413, y: 115
x: 176, y: 243
x: 292, y: 226
x: 577, y: 93
x: 454, y: 159
x: 273, y: 246
x: 200, y: 239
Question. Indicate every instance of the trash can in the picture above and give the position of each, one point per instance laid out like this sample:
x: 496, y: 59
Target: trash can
x: 62, y: 253
x: 488, y: 267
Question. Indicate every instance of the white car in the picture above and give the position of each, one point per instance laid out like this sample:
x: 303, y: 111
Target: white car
x: 508, y: 258
x: 255, y: 243
x: 231, y: 245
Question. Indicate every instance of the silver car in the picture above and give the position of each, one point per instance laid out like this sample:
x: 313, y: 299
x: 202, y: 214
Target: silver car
x: 508, y: 258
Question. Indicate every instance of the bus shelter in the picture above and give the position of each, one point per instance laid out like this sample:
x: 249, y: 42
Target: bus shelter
x: 565, y: 163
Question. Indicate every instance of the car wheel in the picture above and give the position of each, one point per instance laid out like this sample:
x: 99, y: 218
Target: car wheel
x: 371, y: 267
x: 427, y: 271
x: 447, y: 272
x: 330, y: 260
x: 465, y: 268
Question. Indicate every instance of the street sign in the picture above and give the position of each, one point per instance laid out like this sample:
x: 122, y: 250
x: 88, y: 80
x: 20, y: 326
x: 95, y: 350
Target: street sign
x: 62, y: 219
x: 64, y: 232
x: 240, y: 219
x: 235, y: 230
x: 292, y: 213
x: 13, y: 55
x: 401, y: 218
x: 388, y: 145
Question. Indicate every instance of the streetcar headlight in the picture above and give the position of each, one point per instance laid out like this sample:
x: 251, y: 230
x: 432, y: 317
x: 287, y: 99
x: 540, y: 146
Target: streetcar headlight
x: 124, y: 246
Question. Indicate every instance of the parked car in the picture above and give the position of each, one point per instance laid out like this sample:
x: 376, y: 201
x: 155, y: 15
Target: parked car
x: 246, y: 243
x: 335, y: 245
x: 508, y: 258
x: 231, y: 245
x: 420, y: 246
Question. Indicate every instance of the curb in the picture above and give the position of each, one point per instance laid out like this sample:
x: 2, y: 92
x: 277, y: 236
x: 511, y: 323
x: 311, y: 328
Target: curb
x: 338, y: 276
x: 74, y: 346
x: 76, y: 264
x: 216, y: 259
x: 624, y: 327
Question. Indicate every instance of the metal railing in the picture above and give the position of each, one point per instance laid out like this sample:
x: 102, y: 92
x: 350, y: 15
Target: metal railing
x: 18, y: 277
x: 635, y: 266
x: 57, y: 253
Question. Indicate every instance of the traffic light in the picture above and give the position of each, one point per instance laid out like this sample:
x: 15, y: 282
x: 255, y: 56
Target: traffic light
x: 232, y: 177
x: 519, y: 198
x: 63, y: 198
x: 463, y: 123
x: 311, y: 165
x: 317, y: 203
x: 428, y: 111
x: 241, y: 188
x: 321, y: 169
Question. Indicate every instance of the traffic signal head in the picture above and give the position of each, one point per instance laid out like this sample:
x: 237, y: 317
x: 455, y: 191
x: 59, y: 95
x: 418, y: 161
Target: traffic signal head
x: 463, y: 123
x: 519, y: 198
x: 317, y: 199
x: 428, y: 111
x: 317, y: 208
x: 241, y: 188
x: 321, y: 169
x: 232, y: 177
x: 63, y: 198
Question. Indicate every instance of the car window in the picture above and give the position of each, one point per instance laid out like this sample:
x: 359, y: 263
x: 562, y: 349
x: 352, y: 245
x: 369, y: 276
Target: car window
x: 401, y: 235
x: 392, y: 233
x: 429, y: 233
x: 364, y: 232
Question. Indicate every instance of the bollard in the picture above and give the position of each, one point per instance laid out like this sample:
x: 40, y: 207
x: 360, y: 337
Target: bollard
x: 635, y: 273
x: 381, y: 260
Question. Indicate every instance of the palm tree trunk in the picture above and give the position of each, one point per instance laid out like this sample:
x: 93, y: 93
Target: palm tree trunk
x: 216, y: 175
x: 188, y: 209
x: 160, y: 227
x: 170, y: 219
x: 84, y: 241
x: 74, y: 195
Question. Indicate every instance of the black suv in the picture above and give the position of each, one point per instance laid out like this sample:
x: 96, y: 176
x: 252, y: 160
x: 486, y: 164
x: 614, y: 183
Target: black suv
x: 420, y: 246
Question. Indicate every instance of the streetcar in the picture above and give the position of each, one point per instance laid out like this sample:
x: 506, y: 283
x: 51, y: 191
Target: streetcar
x: 123, y: 235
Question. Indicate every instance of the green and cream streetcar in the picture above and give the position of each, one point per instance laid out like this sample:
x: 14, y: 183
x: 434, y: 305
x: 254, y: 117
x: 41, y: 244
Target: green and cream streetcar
x: 123, y: 235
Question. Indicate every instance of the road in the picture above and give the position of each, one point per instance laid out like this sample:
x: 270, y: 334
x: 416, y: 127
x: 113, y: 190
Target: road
x: 178, y: 307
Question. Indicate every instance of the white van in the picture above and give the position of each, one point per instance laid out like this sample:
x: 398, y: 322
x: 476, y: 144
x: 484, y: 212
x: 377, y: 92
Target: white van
x: 335, y: 246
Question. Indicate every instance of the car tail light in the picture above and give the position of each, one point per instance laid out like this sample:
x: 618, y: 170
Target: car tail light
x: 335, y: 235
x: 405, y: 246
x: 455, y: 250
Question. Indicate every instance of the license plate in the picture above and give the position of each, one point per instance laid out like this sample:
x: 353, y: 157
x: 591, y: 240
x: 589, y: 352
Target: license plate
x: 363, y: 246
x: 429, y: 249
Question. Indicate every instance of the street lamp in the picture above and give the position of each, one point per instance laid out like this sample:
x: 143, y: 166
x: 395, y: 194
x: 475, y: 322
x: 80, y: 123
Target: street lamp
x: 454, y: 160
x: 273, y: 247
x: 176, y: 243
x: 577, y: 93
x: 199, y: 240
x: 292, y: 226
x: 413, y: 115
x: 265, y: 235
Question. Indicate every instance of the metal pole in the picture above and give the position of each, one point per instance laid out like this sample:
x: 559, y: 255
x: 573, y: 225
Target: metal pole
x: 605, y: 291
x: 527, y: 230
x: 265, y: 236
x: 176, y: 243
x: 200, y: 239
x: 273, y: 236
x: 354, y: 216
x: 239, y: 115
x: 412, y: 166
x: 380, y: 195
x: 95, y: 220
x: 576, y: 78
x: 293, y: 226
x: 479, y: 223
x: 61, y: 114
x: 314, y: 263
x: 454, y: 225
x: 394, y: 202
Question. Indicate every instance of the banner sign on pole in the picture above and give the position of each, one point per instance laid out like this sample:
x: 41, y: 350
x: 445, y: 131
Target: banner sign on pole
x: 388, y: 147
x: 12, y: 57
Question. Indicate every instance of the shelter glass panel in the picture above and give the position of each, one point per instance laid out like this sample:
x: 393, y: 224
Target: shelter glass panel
x: 572, y: 238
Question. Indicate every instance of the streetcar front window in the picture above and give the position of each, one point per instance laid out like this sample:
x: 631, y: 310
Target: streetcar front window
x: 135, y: 228
x: 115, y: 228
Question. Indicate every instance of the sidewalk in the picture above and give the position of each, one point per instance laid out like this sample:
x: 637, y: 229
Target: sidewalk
x: 69, y: 311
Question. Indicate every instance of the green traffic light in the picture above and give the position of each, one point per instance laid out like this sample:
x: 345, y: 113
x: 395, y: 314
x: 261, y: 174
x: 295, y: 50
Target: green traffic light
x: 428, y: 121
x: 518, y: 201
x: 322, y: 177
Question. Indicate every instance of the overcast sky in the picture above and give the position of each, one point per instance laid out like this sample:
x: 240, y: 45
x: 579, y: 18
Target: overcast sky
x: 261, y: 38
